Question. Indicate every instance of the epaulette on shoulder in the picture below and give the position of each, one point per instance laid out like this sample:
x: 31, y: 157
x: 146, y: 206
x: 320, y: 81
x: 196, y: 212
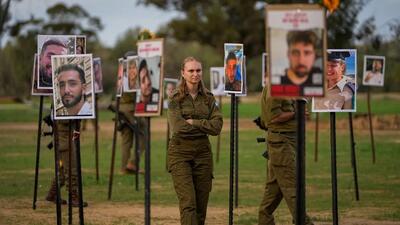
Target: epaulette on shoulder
x: 208, y: 92
x: 174, y: 94
x: 352, y: 86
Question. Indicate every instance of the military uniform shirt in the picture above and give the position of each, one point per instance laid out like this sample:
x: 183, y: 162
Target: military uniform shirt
x: 207, y: 118
x: 272, y: 107
x: 337, y: 97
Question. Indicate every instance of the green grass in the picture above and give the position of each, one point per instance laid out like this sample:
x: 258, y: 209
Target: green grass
x: 29, y: 112
x: 379, y: 183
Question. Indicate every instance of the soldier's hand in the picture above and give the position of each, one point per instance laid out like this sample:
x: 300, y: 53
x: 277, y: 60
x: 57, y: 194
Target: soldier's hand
x: 189, y: 121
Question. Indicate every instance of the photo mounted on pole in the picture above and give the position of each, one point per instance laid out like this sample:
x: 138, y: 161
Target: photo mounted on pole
x: 233, y: 67
x: 73, y: 95
x: 374, y: 71
x: 50, y: 45
x: 296, y: 43
x: 341, y: 79
x: 150, y: 72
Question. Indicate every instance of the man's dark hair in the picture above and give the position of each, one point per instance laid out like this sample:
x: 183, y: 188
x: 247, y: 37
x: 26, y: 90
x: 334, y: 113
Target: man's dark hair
x: 74, y: 67
x: 302, y: 36
x: 52, y: 42
x: 230, y: 56
x: 142, y: 65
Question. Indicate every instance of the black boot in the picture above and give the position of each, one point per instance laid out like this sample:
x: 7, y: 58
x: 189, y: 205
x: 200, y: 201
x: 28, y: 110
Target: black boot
x: 75, y: 199
x: 52, y: 194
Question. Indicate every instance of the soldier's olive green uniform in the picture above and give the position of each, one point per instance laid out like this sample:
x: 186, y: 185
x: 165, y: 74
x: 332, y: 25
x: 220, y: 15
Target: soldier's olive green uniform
x: 281, y: 145
x: 127, y: 107
x: 63, y: 152
x: 189, y: 152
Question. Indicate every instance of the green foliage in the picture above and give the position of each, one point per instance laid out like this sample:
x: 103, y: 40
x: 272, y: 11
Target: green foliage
x: 17, y: 56
x: 342, y: 22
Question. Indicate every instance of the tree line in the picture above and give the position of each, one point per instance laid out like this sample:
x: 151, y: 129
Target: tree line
x: 202, y: 30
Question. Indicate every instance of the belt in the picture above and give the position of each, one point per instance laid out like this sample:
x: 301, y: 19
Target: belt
x: 192, y: 137
x: 282, y: 132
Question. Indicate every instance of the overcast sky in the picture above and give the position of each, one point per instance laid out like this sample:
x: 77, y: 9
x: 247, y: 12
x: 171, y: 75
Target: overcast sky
x: 119, y: 15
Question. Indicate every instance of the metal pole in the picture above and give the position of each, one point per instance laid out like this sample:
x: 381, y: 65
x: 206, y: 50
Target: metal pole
x: 166, y: 152
x: 110, y: 183
x: 232, y: 155
x: 371, y: 130
x: 137, y: 155
x: 237, y: 152
x: 70, y: 149
x: 333, y: 169
x: 316, y: 137
x: 39, y: 131
x: 56, y: 166
x: 76, y: 137
x: 219, y: 135
x: 353, y: 156
x: 96, y: 137
x: 147, y: 176
x: 300, y: 163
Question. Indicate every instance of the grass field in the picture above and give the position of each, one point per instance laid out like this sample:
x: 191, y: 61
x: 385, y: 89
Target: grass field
x: 379, y: 183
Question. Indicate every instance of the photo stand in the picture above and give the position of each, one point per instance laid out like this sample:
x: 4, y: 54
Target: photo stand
x: 234, y: 158
x: 38, y: 143
x: 300, y: 162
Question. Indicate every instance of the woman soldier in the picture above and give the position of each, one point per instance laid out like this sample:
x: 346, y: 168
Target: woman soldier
x: 193, y: 115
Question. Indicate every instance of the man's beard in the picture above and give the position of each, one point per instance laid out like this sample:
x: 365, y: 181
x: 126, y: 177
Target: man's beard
x: 45, y: 77
x: 72, y: 102
x: 302, y: 74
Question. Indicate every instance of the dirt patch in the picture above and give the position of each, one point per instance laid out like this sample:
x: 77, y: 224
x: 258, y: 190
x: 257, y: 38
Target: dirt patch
x: 20, y: 212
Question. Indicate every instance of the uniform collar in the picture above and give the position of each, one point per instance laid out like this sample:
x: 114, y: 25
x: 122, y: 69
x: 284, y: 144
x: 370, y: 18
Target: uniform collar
x: 341, y: 84
x: 199, y: 92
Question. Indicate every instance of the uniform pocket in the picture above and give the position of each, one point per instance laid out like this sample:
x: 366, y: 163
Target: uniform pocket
x: 281, y: 151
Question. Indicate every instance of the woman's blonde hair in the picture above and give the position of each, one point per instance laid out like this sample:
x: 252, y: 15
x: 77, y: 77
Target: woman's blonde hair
x: 182, y: 87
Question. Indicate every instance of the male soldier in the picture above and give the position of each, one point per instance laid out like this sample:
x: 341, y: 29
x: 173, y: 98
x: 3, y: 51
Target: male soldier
x: 127, y: 107
x: 302, y: 54
x: 49, y: 48
x: 375, y: 76
x: 278, y: 115
x: 231, y: 69
x: 340, y: 94
x: 149, y: 96
x: 72, y: 84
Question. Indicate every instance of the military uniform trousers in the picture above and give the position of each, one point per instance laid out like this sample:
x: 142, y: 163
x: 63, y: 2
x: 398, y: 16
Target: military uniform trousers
x: 281, y: 177
x: 127, y: 138
x: 190, y: 164
x: 64, y: 150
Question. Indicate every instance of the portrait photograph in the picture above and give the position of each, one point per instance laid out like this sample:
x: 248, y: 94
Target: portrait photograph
x: 296, y: 45
x: 80, y: 44
x: 49, y: 45
x: 217, y: 81
x: 150, y: 72
x: 264, y: 69
x: 244, y: 80
x: 170, y: 85
x: 120, y: 75
x: 131, y: 78
x: 73, y: 93
x: 35, y: 91
x: 341, y: 81
x: 233, y: 67
x: 374, y: 71
x: 98, y: 75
